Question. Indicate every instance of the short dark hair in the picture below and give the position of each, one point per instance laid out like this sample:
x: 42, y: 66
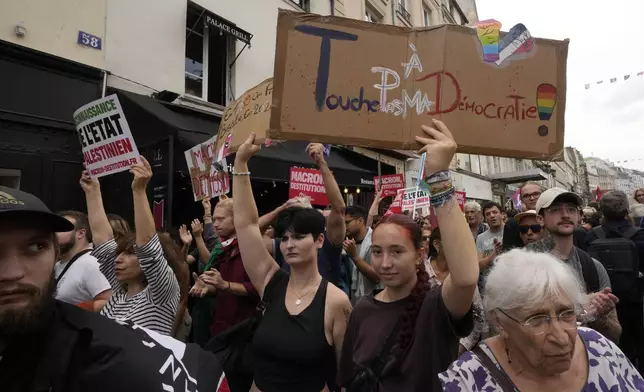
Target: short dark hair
x: 356, y: 212
x: 81, y: 222
x: 491, y: 204
x: 300, y: 220
x: 614, y: 206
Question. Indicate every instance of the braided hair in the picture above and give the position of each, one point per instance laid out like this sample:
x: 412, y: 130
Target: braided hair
x: 417, y: 296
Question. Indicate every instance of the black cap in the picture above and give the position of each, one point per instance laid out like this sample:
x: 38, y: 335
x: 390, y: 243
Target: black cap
x: 15, y: 203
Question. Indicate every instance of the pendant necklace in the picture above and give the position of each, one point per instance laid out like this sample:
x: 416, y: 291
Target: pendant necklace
x: 298, y: 301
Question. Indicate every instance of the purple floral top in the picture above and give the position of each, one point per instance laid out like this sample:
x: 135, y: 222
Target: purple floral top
x: 608, y: 369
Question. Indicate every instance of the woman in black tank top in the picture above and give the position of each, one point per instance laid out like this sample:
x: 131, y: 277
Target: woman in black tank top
x: 298, y: 343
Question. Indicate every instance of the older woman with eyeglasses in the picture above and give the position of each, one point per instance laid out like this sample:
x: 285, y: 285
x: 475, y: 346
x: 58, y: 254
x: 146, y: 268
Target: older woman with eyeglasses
x: 536, y: 303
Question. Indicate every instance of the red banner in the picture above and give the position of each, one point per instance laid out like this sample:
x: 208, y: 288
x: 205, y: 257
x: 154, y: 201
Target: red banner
x: 396, y: 205
x: 308, y: 183
x: 389, y: 184
x: 460, y: 196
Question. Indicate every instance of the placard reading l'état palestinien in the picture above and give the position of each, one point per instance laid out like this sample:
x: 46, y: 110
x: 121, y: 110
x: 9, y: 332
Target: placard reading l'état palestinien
x: 105, y: 137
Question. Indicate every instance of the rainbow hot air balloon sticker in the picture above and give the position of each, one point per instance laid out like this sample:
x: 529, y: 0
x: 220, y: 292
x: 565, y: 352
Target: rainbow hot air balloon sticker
x: 488, y: 32
x: 546, y: 101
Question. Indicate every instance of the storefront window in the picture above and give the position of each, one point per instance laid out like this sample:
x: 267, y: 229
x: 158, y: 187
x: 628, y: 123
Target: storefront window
x: 10, y: 178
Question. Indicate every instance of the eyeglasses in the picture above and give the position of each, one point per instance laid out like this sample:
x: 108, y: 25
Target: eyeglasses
x: 540, y: 324
x: 569, y: 208
x: 531, y: 195
x: 526, y: 229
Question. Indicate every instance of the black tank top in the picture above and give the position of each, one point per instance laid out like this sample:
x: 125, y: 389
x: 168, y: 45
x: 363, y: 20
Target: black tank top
x: 291, y: 353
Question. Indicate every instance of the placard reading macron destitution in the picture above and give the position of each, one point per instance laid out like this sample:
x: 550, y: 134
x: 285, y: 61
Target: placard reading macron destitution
x: 105, y: 137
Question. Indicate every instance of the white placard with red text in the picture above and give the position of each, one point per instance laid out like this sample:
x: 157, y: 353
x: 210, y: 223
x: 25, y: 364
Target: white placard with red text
x: 389, y: 184
x: 105, y: 137
x: 209, y: 177
x: 308, y: 183
x: 413, y: 198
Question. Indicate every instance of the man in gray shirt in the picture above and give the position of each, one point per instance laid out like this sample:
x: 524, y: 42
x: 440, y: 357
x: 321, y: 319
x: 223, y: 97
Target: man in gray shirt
x: 489, y: 243
x: 560, y: 211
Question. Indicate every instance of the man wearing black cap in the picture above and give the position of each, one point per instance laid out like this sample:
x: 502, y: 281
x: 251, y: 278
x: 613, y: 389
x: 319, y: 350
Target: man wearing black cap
x: 50, y: 346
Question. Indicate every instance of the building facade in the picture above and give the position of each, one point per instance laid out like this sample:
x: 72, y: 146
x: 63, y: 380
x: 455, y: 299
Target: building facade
x: 606, y: 173
x: 51, y: 63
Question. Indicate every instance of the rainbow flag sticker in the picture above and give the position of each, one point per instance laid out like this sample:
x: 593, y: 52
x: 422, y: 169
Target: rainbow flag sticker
x: 489, y: 32
x: 546, y: 100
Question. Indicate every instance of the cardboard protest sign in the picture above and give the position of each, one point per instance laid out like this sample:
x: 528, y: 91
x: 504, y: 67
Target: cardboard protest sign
x: 308, y: 183
x: 105, y: 137
x: 414, y: 198
x: 209, y: 178
x: 499, y: 93
x: 389, y: 184
x: 249, y: 113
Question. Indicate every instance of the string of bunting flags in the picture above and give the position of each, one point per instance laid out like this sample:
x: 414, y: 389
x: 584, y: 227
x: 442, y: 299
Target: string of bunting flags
x: 613, y: 80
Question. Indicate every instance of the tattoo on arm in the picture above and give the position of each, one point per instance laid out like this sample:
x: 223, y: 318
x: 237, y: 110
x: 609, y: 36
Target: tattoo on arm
x: 347, y: 313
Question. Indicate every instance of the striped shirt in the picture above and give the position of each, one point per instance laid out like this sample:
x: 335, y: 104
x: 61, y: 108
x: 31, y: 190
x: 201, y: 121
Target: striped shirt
x: 156, y: 306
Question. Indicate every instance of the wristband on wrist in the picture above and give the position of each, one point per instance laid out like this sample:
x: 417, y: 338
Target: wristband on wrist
x: 440, y: 199
x: 443, y: 175
x: 241, y: 174
x: 229, y: 288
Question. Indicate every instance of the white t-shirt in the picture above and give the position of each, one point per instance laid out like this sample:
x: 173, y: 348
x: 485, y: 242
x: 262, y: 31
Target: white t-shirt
x: 82, y: 282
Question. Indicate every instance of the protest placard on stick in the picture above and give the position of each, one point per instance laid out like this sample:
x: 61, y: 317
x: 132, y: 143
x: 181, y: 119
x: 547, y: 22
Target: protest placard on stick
x: 208, y: 176
x: 105, y: 137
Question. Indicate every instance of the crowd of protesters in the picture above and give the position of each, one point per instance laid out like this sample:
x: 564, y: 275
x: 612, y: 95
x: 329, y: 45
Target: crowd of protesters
x: 328, y: 299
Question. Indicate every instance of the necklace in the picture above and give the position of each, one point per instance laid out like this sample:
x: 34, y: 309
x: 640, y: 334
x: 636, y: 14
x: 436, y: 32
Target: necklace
x: 298, y: 301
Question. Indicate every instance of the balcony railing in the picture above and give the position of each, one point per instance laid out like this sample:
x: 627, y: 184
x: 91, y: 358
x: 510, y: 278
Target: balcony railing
x: 403, y: 12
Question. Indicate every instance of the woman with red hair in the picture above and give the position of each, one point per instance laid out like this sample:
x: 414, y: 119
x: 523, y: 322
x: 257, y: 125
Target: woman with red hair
x: 401, y: 337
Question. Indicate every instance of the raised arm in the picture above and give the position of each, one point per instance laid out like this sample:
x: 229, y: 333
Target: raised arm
x: 460, y: 251
x: 335, y: 225
x: 373, y: 211
x: 104, y: 244
x: 162, y: 282
x: 98, y: 222
x: 258, y: 263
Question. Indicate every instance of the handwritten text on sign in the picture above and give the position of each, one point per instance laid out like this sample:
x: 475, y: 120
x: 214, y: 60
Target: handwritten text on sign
x: 308, y: 183
x: 105, y: 137
x: 414, y: 198
x: 209, y: 177
x: 389, y: 184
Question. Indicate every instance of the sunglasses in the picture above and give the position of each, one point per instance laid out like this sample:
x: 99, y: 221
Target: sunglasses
x: 525, y: 229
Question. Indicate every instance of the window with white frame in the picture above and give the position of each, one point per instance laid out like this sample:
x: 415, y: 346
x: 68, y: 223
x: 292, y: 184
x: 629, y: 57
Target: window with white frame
x: 371, y: 16
x: 205, y: 61
x: 304, y: 4
x: 427, y: 16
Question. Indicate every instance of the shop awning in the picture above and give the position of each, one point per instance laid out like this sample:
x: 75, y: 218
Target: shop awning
x: 273, y: 163
x: 218, y: 25
x: 152, y: 120
x: 515, y: 177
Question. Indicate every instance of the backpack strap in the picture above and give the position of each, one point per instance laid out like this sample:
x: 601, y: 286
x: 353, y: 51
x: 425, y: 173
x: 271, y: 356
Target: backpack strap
x: 630, y: 233
x: 501, y: 378
x: 589, y: 271
x: 599, y: 232
x: 71, y: 261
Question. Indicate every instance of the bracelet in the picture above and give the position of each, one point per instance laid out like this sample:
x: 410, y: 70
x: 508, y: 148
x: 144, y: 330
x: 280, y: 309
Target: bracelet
x: 443, y: 175
x: 436, y: 189
x: 241, y: 174
x: 440, y: 199
x: 229, y: 288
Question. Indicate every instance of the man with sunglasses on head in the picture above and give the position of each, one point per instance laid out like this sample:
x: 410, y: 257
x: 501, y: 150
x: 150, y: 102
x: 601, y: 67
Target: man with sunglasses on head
x: 530, y: 228
x: 559, y: 211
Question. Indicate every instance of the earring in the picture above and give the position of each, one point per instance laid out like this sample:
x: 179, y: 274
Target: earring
x: 507, y: 352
